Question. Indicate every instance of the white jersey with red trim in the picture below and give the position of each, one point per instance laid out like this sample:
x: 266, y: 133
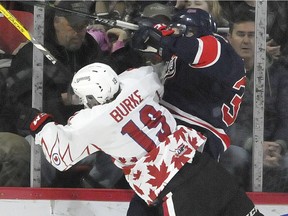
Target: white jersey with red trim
x: 134, y: 129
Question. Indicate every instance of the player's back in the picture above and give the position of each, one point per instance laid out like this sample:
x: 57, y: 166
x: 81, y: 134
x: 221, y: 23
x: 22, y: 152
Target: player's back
x: 131, y: 125
x: 203, y: 91
x: 206, y: 95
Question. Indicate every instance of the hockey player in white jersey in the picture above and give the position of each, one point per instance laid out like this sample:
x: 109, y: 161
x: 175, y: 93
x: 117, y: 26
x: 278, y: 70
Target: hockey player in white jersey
x: 159, y: 158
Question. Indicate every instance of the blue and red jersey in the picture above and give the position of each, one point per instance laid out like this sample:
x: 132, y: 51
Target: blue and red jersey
x: 204, y: 85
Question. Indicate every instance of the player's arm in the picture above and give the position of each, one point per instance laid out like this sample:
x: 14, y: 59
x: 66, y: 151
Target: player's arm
x: 197, y: 52
x: 61, y: 147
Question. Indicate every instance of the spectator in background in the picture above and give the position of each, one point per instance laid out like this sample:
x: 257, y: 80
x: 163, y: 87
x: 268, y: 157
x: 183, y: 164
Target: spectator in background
x: 119, y: 10
x: 17, y: 5
x: 14, y: 160
x: 5, y: 114
x: 237, y: 159
x: 14, y: 149
x: 153, y: 14
x: 212, y: 7
x: 277, y: 27
x: 160, y: 12
x: 66, y: 39
x: 109, y: 40
x: 111, y: 9
x: 112, y: 39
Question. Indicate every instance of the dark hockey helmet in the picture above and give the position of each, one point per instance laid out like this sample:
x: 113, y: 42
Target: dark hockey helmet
x: 193, y: 21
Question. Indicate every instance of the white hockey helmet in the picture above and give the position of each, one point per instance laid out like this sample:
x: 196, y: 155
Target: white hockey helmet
x: 95, y: 84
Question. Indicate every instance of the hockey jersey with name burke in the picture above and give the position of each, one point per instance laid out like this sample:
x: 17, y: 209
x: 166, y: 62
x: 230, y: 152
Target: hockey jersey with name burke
x: 140, y: 135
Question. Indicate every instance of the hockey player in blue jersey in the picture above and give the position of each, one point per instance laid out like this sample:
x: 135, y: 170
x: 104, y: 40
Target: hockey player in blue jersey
x: 204, y: 79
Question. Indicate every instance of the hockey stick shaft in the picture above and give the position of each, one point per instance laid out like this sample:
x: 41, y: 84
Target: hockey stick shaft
x: 16, y: 23
x: 108, y: 22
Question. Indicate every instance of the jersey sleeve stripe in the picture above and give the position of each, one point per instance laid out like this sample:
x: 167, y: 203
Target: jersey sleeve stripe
x: 208, y: 53
x: 186, y: 117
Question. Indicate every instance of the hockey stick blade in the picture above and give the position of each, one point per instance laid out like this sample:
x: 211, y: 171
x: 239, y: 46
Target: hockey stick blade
x: 16, y: 23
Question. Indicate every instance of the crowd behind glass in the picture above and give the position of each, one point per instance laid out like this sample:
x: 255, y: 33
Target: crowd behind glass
x: 97, y: 41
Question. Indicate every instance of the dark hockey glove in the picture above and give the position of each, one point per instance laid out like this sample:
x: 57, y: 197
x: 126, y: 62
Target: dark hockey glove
x: 167, y: 41
x: 39, y: 122
x: 146, y: 39
x: 166, y: 50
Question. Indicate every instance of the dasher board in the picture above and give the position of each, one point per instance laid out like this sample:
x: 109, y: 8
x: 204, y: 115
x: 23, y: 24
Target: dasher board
x: 100, y: 202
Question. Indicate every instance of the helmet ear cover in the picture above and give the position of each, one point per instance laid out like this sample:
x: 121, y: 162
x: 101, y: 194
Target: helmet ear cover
x: 91, y: 101
x: 96, y: 84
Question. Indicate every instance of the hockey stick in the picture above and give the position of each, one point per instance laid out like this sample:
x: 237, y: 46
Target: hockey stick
x: 108, y: 22
x: 26, y: 33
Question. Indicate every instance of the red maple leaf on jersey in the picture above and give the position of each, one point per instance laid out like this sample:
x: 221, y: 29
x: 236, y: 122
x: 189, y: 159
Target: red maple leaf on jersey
x: 127, y: 169
x: 152, y: 195
x: 179, y: 134
x: 193, y: 142
x: 152, y: 155
x: 159, y: 175
x: 137, y: 175
x: 122, y: 160
x: 167, y: 141
x: 179, y: 161
x: 133, y: 160
x: 137, y: 189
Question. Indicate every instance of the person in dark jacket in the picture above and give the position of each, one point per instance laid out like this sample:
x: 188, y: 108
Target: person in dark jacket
x: 277, y: 27
x: 237, y: 159
x: 68, y: 42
